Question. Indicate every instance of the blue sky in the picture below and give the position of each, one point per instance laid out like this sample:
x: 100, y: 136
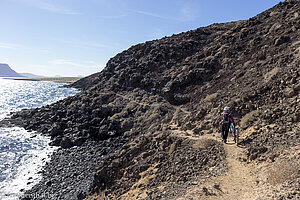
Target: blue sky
x: 77, y: 37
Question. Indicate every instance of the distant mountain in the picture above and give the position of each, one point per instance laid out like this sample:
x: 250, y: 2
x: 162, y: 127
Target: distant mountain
x: 29, y: 75
x: 6, y: 71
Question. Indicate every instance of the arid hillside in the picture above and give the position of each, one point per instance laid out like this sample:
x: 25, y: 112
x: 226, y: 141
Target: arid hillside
x: 149, y: 122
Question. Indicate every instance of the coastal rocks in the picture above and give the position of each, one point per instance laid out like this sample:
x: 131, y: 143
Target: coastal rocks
x: 57, y: 129
x: 66, y: 143
x: 71, y: 171
x: 79, y: 141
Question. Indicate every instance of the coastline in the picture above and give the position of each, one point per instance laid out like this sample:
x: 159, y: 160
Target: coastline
x: 147, y: 126
x: 56, y: 80
x: 27, y: 172
x: 31, y: 149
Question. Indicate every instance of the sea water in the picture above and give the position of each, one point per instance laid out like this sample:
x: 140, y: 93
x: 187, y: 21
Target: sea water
x: 23, y: 153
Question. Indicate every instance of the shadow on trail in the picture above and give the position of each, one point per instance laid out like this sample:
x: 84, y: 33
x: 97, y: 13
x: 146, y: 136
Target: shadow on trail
x: 247, y: 141
x: 240, y: 145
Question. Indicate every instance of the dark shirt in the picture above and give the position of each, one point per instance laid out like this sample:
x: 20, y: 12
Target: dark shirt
x: 230, y: 118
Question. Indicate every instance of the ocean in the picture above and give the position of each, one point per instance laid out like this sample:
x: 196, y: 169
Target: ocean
x: 23, y: 153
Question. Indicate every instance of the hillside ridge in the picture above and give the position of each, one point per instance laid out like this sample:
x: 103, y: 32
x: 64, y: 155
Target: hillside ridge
x: 6, y: 71
x: 117, y: 135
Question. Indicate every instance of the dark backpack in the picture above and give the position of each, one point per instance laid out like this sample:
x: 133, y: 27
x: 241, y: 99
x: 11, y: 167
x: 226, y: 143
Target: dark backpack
x: 226, y: 118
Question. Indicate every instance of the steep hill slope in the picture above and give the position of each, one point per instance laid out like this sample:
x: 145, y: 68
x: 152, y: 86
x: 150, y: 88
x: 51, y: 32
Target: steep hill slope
x: 6, y: 71
x: 138, y: 114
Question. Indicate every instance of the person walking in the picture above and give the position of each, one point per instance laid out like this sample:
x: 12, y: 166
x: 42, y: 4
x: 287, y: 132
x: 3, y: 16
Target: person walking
x: 226, y: 120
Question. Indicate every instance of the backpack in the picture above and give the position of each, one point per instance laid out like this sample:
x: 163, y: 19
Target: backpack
x: 225, y: 118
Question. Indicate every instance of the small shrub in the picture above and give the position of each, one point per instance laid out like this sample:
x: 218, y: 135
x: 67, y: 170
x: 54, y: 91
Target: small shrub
x: 297, y: 54
x: 282, y: 172
x: 204, y: 143
x: 211, y: 97
x: 268, y: 76
x: 172, y: 148
x: 249, y: 117
x: 273, y: 13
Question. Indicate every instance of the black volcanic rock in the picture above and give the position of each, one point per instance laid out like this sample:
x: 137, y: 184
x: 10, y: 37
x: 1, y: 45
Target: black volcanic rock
x: 6, y: 71
x: 126, y: 110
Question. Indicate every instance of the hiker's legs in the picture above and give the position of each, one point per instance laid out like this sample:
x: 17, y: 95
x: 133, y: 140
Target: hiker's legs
x: 226, y: 133
x: 223, y: 132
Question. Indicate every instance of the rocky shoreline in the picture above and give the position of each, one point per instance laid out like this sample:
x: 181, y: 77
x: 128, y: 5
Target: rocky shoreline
x: 70, y: 172
x: 142, y: 127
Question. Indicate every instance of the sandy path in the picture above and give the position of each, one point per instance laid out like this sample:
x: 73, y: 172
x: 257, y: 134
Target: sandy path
x: 238, y: 183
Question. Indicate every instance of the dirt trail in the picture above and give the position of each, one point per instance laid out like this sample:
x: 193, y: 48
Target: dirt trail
x: 237, y: 183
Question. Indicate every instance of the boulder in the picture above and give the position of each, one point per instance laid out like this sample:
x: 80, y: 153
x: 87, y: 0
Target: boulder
x: 79, y: 141
x: 289, y: 92
x: 66, y: 143
x: 281, y: 40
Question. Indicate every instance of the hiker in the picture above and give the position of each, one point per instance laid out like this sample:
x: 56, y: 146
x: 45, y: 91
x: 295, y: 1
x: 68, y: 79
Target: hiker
x: 226, y: 120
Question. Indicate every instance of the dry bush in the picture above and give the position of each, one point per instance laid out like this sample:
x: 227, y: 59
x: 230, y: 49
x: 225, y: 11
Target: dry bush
x: 297, y: 43
x: 268, y: 76
x: 211, y: 97
x: 274, y: 13
x: 112, y: 80
x: 209, y: 58
x: 225, y: 61
x: 249, y: 117
x: 297, y: 54
x: 275, y: 27
x: 204, y: 143
x: 172, y: 148
x: 282, y: 172
x: 248, y: 64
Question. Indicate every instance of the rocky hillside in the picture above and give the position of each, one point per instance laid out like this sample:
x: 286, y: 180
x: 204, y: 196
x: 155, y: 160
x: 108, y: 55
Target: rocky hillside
x: 6, y: 71
x: 151, y: 117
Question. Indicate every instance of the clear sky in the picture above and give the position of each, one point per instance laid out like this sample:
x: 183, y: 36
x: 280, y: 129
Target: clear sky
x: 77, y: 37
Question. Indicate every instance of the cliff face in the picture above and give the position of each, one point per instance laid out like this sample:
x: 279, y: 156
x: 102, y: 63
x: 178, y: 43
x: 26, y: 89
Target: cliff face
x: 6, y: 71
x: 148, y: 102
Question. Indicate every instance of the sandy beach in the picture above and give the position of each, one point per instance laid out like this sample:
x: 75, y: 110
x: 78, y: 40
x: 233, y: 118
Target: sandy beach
x: 55, y: 79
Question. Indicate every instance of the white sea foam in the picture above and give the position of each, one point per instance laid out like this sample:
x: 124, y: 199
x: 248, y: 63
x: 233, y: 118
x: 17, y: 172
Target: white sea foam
x: 23, y: 154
